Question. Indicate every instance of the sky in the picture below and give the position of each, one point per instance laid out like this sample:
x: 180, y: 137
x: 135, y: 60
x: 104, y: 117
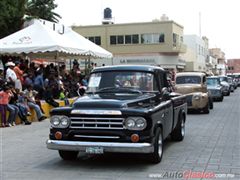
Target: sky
x: 218, y: 20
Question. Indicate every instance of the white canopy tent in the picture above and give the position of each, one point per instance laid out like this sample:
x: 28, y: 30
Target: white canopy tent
x: 40, y: 39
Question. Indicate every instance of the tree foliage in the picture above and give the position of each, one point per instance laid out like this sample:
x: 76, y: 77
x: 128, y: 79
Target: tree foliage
x: 42, y: 9
x: 13, y: 11
x: 11, y: 14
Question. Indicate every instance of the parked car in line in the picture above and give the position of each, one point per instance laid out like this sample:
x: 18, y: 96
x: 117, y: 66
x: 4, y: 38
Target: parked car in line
x: 215, y: 88
x: 225, y: 84
x: 126, y: 109
x: 193, y: 85
x: 231, y: 84
x: 234, y: 79
x: 237, y: 78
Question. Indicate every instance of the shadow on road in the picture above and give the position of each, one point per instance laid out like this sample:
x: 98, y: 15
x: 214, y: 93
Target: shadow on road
x: 107, y: 160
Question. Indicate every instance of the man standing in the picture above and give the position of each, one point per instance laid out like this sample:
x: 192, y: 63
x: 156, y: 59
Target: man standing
x: 19, y: 74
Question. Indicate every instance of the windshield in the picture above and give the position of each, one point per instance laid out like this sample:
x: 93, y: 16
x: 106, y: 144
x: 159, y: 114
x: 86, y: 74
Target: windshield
x: 212, y: 81
x: 188, y: 80
x: 111, y: 81
x: 223, y: 79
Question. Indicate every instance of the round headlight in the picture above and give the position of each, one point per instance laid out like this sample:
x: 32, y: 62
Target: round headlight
x: 55, y: 121
x: 65, y: 121
x: 130, y: 123
x: 141, y: 123
x: 135, y: 123
x: 197, y: 96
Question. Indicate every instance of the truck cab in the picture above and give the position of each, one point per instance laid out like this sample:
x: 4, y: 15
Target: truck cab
x: 126, y: 109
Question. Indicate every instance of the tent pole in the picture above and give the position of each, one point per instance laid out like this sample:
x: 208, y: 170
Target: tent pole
x: 89, y: 63
x: 56, y: 58
x: 85, y: 64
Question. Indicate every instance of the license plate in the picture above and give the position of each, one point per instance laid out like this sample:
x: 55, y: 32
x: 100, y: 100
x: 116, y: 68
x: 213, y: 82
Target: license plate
x: 94, y: 150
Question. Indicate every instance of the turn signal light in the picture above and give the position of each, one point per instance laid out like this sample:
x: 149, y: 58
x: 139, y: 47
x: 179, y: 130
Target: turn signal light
x: 134, y: 138
x: 58, y: 135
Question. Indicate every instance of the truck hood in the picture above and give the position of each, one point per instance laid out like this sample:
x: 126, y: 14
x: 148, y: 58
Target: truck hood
x: 113, y: 101
x: 188, y: 88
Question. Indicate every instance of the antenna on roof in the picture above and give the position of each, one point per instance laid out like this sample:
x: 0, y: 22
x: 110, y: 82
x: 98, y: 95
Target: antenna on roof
x: 200, y: 25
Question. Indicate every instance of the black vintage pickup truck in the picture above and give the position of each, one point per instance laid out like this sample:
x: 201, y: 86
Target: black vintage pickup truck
x: 126, y: 109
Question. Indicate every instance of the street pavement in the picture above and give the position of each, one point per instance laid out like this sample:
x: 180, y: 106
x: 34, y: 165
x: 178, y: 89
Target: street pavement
x: 211, y: 145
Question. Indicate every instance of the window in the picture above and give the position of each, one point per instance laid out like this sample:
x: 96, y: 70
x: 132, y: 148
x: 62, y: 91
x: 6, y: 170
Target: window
x: 95, y: 39
x: 175, y: 39
x: 213, y: 81
x: 204, y: 79
x: 142, y: 81
x: 146, y: 38
x: 124, y: 39
x: 128, y: 39
x: 155, y: 38
x: 152, y: 38
x: 113, y: 40
x: 91, y: 39
x: 135, y: 39
x: 98, y: 40
x: 188, y: 80
x: 161, y: 38
x: 120, y: 39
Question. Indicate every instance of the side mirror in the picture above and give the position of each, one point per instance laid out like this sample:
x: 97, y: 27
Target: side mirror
x: 165, y: 94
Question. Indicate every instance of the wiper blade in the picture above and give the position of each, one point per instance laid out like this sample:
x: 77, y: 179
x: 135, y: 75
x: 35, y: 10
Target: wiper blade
x: 118, y: 90
x: 106, y: 90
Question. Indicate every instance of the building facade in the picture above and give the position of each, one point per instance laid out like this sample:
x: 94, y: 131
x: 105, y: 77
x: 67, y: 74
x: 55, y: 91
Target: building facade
x: 233, y: 66
x: 221, y: 67
x: 197, y: 54
x: 153, y: 43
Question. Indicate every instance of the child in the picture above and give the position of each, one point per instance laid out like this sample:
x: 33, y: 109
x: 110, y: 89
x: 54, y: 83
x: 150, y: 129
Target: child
x: 4, y: 99
x: 30, y: 95
x: 62, y: 96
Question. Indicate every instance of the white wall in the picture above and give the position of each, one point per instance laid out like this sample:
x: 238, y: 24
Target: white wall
x: 196, y: 52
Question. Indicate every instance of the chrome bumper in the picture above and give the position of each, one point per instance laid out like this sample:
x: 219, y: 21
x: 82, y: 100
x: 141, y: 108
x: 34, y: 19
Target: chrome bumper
x: 107, y: 146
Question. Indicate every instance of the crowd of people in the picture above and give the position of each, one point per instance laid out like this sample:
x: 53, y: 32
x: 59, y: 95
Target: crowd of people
x: 24, y: 84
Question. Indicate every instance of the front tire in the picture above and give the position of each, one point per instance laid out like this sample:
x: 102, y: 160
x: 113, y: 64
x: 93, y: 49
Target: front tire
x: 221, y: 99
x: 68, y: 155
x: 206, y: 109
x: 211, y: 103
x: 156, y: 156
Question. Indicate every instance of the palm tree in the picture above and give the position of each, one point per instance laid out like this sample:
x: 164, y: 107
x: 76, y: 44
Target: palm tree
x: 42, y: 9
x: 12, y: 13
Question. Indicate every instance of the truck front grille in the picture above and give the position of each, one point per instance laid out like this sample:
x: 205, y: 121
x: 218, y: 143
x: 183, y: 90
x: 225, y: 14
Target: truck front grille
x: 96, y: 123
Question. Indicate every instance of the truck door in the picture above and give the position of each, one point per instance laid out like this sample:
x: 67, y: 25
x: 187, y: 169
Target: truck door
x: 168, y: 109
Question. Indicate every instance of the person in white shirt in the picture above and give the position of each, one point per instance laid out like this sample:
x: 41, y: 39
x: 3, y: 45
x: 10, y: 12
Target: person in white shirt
x: 11, y: 76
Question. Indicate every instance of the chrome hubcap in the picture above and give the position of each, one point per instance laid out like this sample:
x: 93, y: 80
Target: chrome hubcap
x: 160, y: 145
x: 182, y: 128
